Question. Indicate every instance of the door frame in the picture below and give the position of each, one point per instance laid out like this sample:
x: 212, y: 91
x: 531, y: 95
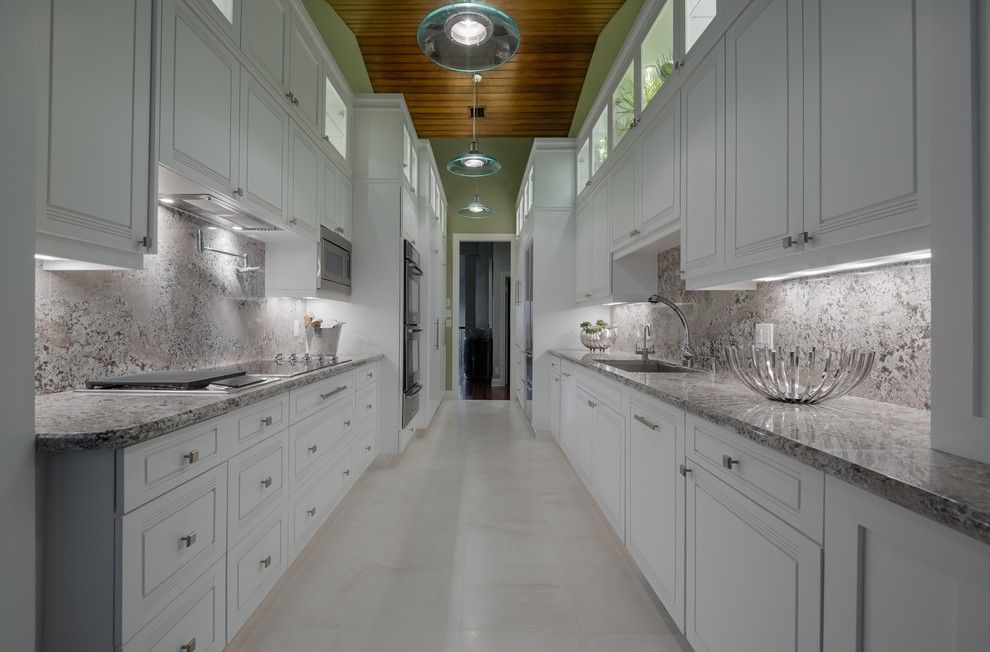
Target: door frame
x: 455, y: 281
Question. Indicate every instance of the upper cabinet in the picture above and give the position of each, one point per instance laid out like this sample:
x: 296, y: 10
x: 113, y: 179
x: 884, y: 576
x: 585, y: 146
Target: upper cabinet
x: 599, y: 142
x: 656, y: 54
x: 335, y: 117
x: 96, y: 182
x: 624, y: 109
x: 264, y: 24
x: 305, y: 76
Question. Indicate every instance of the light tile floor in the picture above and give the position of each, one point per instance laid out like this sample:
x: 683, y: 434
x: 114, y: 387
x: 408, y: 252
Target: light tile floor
x: 481, y: 538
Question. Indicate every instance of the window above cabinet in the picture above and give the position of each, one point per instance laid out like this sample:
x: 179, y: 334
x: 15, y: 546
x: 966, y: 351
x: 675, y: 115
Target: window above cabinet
x: 335, y: 119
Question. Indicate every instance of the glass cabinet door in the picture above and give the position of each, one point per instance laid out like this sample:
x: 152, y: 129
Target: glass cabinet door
x: 656, y: 54
x: 624, y: 105
x: 335, y: 119
x: 407, y: 155
x: 698, y: 15
x: 413, y: 166
x: 583, y: 166
x: 599, y: 142
x: 226, y: 8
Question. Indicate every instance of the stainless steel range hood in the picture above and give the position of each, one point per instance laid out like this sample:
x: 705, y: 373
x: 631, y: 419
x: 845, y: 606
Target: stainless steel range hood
x: 217, y: 210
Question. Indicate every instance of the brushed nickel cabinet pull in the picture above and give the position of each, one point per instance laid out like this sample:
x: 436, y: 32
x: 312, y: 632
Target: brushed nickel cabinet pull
x: 368, y: 448
x: 324, y: 397
x: 192, y: 456
x: 684, y: 470
x: 651, y: 426
x: 592, y: 405
x: 347, y: 472
x: 368, y: 405
x: 267, y: 561
x: 189, y: 539
x: 267, y: 482
x: 312, y: 449
x: 190, y: 646
x: 266, y: 422
x: 311, y: 511
x: 347, y: 423
x: 371, y: 374
x: 728, y: 462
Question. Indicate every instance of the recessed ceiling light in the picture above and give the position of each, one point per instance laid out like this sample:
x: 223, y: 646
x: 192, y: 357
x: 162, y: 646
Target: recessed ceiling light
x: 468, y: 36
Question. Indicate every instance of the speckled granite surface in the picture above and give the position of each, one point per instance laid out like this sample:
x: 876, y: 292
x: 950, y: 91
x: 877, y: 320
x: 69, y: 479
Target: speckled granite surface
x: 880, y: 447
x: 73, y: 421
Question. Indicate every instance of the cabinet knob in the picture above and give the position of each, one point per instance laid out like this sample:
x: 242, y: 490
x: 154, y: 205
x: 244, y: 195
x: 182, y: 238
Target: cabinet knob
x: 368, y: 448
x: 339, y: 229
x: 267, y: 482
x: 292, y: 220
x: 192, y: 456
x: 347, y: 423
x: 326, y: 138
x: 371, y: 374
x: 347, y: 472
x: 266, y: 422
x: 592, y: 405
x: 368, y: 405
x: 684, y: 470
x: 311, y: 511
x: 189, y: 539
x: 189, y: 647
x: 312, y: 449
x: 728, y: 461
x: 267, y: 561
x: 239, y: 192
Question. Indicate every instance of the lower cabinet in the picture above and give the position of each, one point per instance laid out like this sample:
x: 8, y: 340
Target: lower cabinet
x: 583, y: 436
x: 254, y: 564
x: 555, y: 406
x: 655, y: 504
x: 897, y: 581
x: 609, y: 465
x: 754, y: 583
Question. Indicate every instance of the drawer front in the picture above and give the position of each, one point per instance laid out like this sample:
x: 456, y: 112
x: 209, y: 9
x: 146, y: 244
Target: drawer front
x: 257, y: 481
x: 168, y: 543
x: 605, y: 392
x: 365, y: 449
x: 316, y: 500
x: 195, y: 619
x: 367, y: 374
x: 256, y: 422
x: 366, y: 404
x: 793, y: 491
x: 315, y: 438
x: 157, y: 466
x: 254, y: 565
x: 318, y: 396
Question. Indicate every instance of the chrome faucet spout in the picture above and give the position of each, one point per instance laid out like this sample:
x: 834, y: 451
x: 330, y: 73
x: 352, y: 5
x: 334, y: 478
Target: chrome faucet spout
x: 687, y: 353
x: 647, y: 334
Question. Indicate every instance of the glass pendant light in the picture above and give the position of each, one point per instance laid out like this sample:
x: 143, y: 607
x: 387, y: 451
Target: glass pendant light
x: 477, y: 209
x: 474, y: 163
x: 468, y: 37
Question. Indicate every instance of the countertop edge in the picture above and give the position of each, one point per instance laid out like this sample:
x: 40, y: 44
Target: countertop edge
x: 119, y: 438
x: 924, y: 502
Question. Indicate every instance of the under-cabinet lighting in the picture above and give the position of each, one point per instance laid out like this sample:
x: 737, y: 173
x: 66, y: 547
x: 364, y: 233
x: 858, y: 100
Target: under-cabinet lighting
x: 237, y: 228
x: 166, y: 200
x: 46, y: 257
x: 848, y: 267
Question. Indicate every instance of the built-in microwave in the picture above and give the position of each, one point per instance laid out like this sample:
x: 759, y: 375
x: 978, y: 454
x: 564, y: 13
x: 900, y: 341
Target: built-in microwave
x: 335, y: 262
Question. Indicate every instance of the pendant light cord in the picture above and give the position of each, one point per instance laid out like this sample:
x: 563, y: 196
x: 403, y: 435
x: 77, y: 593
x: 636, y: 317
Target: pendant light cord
x: 474, y: 112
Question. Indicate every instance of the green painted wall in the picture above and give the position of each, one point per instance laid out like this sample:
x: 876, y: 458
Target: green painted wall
x: 342, y: 44
x: 606, y: 50
x: 498, y: 191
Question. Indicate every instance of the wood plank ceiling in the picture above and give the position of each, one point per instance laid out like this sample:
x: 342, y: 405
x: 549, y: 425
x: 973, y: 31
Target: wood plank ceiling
x: 533, y: 95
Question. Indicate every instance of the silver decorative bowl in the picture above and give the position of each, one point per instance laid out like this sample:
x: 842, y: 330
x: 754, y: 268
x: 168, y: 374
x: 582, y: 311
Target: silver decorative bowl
x: 798, y: 376
x: 599, y: 341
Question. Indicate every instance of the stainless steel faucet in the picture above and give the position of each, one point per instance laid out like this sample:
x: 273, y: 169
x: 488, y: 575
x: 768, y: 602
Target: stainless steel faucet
x: 687, y: 353
x: 645, y: 350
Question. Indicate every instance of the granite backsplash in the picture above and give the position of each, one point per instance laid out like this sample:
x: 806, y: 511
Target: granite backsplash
x: 184, y: 310
x: 886, y: 309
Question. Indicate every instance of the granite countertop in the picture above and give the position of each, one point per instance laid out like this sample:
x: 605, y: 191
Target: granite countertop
x: 880, y: 447
x: 75, y: 421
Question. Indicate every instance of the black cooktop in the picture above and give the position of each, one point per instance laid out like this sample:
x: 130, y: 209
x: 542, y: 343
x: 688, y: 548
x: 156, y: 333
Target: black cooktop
x: 195, y: 379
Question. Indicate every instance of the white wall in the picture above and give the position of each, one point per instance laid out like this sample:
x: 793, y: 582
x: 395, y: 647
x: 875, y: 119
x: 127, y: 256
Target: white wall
x: 19, y: 28
x: 502, y: 265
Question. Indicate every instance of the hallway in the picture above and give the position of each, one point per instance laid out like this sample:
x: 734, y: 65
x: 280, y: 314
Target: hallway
x: 481, y: 538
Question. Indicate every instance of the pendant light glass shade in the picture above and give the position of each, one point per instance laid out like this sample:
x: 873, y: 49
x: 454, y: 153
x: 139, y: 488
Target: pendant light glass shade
x: 474, y: 163
x: 468, y: 37
x: 476, y: 209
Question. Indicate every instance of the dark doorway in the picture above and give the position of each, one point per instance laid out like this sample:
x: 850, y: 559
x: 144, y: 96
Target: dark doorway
x: 485, y: 276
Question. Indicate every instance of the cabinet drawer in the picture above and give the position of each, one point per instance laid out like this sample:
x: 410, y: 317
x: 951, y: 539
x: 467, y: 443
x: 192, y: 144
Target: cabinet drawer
x: 256, y: 422
x: 159, y: 465
x: 257, y: 480
x: 367, y: 374
x: 168, y: 543
x: 603, y: 391
x: 787, y: 488
x: 315, y: 438
x: 254, y: 565
x: 315, y: 501
x: 365, y: 449
x: 366, y: 405
x: 194, y: 619
x: 312, y: 398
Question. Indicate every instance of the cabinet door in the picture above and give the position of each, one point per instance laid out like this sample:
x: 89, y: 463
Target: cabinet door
x: 199, y: 102
x: 263, y: 149
x: 655, y: 509
x: 583, y: 431
x: 661, y: 164
x: 754, y: 583
x: 609, y: 453
x: 703, y: 166
x: 627, y: 202
x: 895, y: 580
x: 97, y: 163
x: 264, y: 24
x: 345, y: 214
x: 555, y: 406
x: 304, y: 76
x: 764, y: 172
x: 582, y: 273
x: 331, y: 197
x: 305, y: 205
x: 568, y: 417
x: 864, y: 130
x: 601, y: 251
x: 227, y: 16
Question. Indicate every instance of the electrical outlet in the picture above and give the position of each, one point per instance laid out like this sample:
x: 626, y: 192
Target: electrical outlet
x: 295, y: 328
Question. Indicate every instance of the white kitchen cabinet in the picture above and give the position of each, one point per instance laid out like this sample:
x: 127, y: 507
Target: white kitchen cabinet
x: 626, y: 211
x: 226, y: 15
x: 264, y: 149
x: 568, y: 408
x: 866, y: 158
x: 897, y: 581
x: 409, y: 216
x: 345, y: 214
x: 582, y: 258
x: 703, y: 165
x: 95, y: 174
x: 660, y: 169
x: 655, y: 507
x: 555, y: 403
x: 264, y: 25
x: 583, y: 433
x: 304, y: 76
x: 609, y: 465
x: 754, y: 583
x: 600, y: 263
x: 199, y: 101
x: 306, y: 200
x: 763, y: 131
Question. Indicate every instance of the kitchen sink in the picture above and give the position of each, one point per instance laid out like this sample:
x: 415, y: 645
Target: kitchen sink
x: 649, y: 367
